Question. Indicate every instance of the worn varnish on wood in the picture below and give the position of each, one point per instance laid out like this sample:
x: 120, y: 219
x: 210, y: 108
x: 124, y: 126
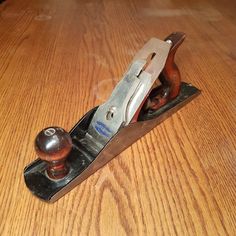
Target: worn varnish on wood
x: 58, y: 59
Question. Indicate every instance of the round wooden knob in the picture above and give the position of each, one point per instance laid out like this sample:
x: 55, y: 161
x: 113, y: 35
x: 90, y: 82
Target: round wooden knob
x: 53, y: 145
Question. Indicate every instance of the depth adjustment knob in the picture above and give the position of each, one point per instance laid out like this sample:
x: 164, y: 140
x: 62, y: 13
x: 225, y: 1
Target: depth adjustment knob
x: 53, y: 145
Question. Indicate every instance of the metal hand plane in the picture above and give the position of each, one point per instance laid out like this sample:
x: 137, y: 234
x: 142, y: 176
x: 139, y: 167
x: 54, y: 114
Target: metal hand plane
x: 149, y: 92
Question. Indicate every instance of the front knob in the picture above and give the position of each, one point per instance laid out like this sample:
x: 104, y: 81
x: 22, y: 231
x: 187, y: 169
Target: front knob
x: 53, y: 145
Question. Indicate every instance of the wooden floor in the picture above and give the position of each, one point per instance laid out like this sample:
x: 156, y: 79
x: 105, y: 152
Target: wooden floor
x: 58, y: 59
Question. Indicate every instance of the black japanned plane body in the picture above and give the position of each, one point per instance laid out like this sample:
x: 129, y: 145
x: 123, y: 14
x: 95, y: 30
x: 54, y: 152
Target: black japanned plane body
x: 85, y: 160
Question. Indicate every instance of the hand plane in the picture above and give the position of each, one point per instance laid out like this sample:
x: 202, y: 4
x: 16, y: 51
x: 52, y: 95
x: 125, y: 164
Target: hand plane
x: 149, y: 92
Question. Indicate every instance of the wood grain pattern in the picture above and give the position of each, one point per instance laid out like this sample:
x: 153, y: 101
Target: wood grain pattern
x: 60, y: 58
